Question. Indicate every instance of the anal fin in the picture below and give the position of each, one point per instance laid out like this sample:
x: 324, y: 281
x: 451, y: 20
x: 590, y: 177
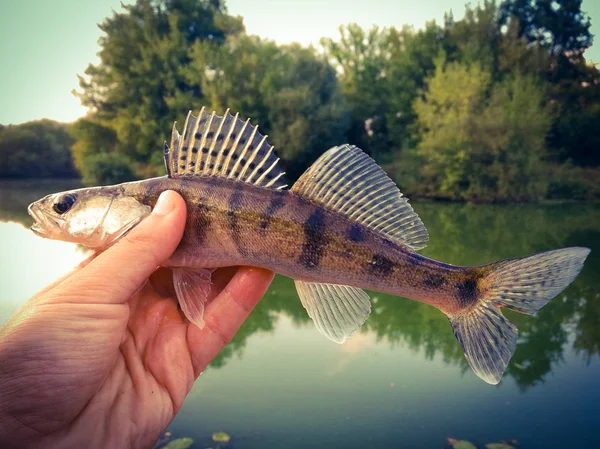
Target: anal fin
x: 193, y: 289
x: 337, y: 310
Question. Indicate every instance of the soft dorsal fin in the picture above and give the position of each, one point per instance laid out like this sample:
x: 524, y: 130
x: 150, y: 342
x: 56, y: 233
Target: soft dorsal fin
x: 223, y: 146
x: 348, y: 181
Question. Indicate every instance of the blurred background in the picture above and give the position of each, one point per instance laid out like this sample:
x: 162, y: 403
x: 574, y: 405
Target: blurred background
x: 495, y: 101
x: 487, y: 116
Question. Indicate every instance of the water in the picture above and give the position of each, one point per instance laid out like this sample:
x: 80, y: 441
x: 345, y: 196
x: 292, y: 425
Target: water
x: 402, y: 381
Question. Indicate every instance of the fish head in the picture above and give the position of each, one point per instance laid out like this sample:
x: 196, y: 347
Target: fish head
x: 95, y: 217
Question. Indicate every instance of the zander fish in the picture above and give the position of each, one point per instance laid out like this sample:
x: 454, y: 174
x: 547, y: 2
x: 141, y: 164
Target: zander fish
x: 343, y: 226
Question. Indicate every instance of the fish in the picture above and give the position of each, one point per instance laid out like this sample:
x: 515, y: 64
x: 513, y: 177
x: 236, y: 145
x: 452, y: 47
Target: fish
x: 343, y: 227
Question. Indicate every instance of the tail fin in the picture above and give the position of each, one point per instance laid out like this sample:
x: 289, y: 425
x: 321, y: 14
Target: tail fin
x: 525, y: 285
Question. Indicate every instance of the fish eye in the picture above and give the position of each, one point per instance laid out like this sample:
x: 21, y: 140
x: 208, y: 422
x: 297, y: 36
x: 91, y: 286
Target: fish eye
x: 64, y: 203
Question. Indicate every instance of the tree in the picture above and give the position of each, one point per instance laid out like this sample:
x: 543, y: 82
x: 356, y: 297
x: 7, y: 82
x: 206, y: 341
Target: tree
x: 454, y: 95
x: 359, y: 58
x: 480, y: 140
x: 138, y: 88
x: 548, y: 38
x: 289, y: 91
x: 91, y: 137
x: 558, y: 25
x: 475, y: 38
x: 36, y: 149
x: 508, y: 142
x: 410, y: 60
x: 98, y: 155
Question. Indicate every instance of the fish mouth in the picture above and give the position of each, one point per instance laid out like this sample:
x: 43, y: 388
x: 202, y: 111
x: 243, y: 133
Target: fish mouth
x: 42, y: 223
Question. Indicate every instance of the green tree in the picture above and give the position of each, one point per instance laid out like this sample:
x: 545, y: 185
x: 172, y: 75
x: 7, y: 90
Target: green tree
x: 553, y: 36
x: 91, y: 137
x: 476, y: 37
x: 410, y: 60
x: 480, y: 140
x: 359, y: 57
x: 97, y: 154
x: 381, y: 72
x: 454, y: 96
x: 289, y: 91
x: 36, y: 149
x: 559, y: 25
x: 138, y: 88
x: 508, y: 142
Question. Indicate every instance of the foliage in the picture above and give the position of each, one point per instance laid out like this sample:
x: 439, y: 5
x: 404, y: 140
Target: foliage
x: 221, y: 437
x: 97, y: 154
x: 482, y: 140
x: 452, y: 102
x: 381, y: 72
x: 500, y: 105
x: 568, y: 181
x: 138, y: 89
x: 558, y: 25
x: 461, y: 444
x: 107, y: 168
x: 36, y: 149
x: 91, y: 138
x: 290, y: 91
x: 179, y: 443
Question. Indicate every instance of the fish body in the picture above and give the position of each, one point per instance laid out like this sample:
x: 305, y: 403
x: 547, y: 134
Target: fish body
x: 231, y: 223
x: 342, y: 227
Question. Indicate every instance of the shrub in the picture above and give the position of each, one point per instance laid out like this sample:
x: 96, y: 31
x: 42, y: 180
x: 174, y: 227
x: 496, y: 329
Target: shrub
x: 107, y: 168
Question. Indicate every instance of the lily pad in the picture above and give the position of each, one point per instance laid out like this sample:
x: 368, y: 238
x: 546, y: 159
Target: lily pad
x: 179, y: 443
x: 499, y: 446
x: 221, y: 437
x: 461, y: 444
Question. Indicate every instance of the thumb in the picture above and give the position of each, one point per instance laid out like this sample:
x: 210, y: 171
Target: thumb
x: 119, y: 272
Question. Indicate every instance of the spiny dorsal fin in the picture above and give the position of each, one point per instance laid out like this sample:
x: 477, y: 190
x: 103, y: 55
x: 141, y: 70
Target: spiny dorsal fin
x: 348, y: 181
x: 223, y: 146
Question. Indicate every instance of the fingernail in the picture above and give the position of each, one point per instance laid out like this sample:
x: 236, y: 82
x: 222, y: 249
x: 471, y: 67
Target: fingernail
x: 164, y: 205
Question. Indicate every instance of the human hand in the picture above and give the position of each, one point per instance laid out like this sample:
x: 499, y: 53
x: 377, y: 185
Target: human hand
x: 102, y: 358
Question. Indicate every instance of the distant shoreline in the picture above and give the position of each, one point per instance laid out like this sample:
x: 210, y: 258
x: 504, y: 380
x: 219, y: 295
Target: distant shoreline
x: 71, y: 183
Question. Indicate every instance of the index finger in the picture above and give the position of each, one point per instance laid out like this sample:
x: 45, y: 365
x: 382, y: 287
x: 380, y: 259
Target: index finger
x: 226, y: 313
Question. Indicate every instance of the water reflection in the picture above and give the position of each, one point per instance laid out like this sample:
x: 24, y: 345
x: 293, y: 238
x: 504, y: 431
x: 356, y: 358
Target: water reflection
x: 460, y: 234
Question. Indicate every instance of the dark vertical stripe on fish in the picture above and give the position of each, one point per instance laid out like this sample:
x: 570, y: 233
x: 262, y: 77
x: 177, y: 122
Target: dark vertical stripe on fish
x: 467, y: 291
x: 235, y: 204
x: 314, y: 240
x: 202, y: 222
x: 355, y: 233
x: 277, y: 201
x: 381, y: 265
x: 434, y: 281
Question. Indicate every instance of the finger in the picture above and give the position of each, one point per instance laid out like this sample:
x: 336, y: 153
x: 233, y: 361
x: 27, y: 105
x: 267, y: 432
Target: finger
x: 226, y: 313
x: 116, y: 274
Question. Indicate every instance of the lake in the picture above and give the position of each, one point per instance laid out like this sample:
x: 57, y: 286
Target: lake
x: 401, y: 381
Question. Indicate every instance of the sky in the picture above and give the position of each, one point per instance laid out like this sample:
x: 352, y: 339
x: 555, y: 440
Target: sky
x: 45, y: 44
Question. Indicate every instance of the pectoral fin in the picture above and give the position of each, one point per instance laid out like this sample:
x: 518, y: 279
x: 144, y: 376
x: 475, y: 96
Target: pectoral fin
x: 192, y: 288
x: 337, y: 310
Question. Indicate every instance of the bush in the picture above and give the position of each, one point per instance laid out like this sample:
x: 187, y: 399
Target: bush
x: 37, y: 149
x: 107, y: 168
x: 571, y: 182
